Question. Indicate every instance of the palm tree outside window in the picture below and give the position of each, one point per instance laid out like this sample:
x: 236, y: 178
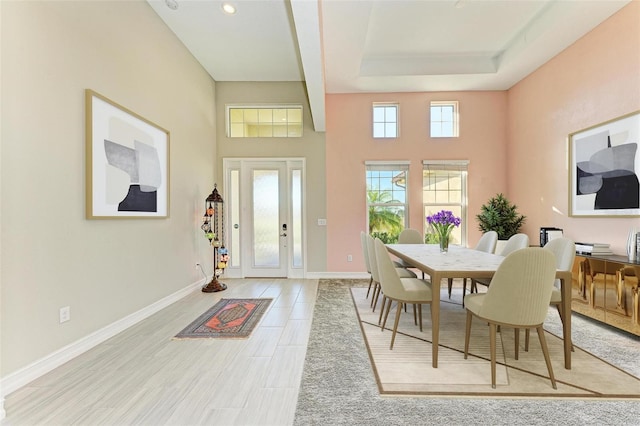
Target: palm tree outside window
x: 387, y: 199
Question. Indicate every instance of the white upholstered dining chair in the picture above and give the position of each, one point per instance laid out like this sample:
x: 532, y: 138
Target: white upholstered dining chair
x: 487, y: 244
x: 564, y: 251
x: 375, y: 277
x: 516, y: 242
x: 401, y: 290
x: 518, y: 297
x: 409, y: 236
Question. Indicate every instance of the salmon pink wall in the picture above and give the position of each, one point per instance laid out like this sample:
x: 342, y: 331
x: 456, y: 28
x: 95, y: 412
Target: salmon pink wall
x: 594, y: 80
x: 349, y: 143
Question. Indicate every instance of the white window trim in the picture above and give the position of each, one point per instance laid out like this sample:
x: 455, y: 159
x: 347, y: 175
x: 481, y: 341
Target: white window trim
x: 462, y: 165
x: 386, y: 104
x: 392, y: 165
x: 456, y: 118
x: 228, y: 107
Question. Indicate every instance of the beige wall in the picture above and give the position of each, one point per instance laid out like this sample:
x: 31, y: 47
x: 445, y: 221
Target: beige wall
x: 350, y: 143
x: 51, y: 255
x: 311, y: 147
x: 594, y: 80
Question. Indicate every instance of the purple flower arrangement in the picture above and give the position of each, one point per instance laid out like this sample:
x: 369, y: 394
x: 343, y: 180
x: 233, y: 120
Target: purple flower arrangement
x: 443, y: 222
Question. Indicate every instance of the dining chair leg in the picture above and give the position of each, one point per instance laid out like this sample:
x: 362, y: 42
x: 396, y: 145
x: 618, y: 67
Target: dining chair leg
x: 420, y: 315
x: 450, y: 282
x: 526, y: 340
x: 545, y: 351
x: 464, y: 289
x: 415, y: 314
x: 517, y: 339
x: 369, y: 289
x: 492, y: 345
x: 376, y: 295
x: 386, y: 314
x: 373, y: 295
x: 474, y: 286
x: 384, y: 300
x: 395, y: 325
x: 467, y: 333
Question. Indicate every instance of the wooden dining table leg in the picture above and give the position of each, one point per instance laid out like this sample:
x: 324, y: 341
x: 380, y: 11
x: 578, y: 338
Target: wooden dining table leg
x: 435, y: 317
x: 565, y: 287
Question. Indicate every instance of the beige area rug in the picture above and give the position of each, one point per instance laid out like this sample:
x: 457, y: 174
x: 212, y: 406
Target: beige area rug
x: 407, y: 370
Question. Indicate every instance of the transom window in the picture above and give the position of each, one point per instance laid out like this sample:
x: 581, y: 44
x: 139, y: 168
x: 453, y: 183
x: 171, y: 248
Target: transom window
x: 444, y: 187
x: 387, y: 205
x: 385, y: 120
x: 281, y: 121
x: 444, y: 119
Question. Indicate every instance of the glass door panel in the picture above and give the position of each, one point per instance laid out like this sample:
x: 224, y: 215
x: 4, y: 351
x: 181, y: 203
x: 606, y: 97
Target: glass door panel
x: 266, y: 219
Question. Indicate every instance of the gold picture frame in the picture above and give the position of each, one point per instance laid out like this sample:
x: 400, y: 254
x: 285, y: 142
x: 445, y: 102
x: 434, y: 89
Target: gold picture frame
x: 604, y: 169
x: 127, y: 162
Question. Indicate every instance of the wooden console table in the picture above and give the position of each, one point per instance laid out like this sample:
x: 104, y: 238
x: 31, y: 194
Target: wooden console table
x: 606, y: 288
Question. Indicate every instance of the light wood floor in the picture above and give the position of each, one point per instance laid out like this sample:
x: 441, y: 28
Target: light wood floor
x: 143, y: 376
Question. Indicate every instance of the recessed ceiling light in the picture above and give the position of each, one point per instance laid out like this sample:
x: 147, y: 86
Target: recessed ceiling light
x: 228, y: 8
x: 171, y: 4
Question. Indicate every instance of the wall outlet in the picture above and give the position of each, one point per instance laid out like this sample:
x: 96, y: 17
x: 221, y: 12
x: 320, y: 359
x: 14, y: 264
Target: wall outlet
x: 349, y: 258
x: 65, y: 314
x: 322, y: 222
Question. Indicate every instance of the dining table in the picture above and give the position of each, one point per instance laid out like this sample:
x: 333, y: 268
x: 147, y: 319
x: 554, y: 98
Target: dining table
x: 463, y: 262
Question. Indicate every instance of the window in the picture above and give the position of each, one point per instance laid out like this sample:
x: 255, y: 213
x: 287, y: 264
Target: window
x: 282, y: 121
x: 387, y: 199
x: 444, y: 187
x: 444, y: 119
x: 385, y: 120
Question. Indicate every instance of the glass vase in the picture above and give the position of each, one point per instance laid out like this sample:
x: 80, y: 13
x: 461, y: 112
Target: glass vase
x: 444, y: 243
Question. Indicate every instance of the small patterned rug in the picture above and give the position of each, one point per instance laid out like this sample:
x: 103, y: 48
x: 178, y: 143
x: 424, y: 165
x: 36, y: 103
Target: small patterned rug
x: 229, y: 318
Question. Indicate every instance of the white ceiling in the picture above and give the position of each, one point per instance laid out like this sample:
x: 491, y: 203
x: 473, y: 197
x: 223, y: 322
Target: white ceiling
x: 352, y: 46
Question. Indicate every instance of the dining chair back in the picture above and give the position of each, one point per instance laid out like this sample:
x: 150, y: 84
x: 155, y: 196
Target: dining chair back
x: 487, y: 244
x: 375, y: 274
x: 367, y: 263
x: 516, y: 242
x: 410, y: 236
x: 564, y: 251
x: 402, y: 290
x: 518, y: 297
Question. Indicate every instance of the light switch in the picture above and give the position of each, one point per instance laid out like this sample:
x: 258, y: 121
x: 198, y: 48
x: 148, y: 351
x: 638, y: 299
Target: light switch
x: 322, y: 222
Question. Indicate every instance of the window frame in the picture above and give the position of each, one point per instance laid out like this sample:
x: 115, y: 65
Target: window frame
x: 399, y: 166
x: 451, y: 166
x: 455, y: 123
x: 376, y: 105
x: 262, y: 107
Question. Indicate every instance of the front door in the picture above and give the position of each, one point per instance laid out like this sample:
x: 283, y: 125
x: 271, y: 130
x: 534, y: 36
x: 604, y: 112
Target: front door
x: 266, y: 223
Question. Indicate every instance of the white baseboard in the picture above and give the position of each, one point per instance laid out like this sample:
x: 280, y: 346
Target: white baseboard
x: 25, y: 375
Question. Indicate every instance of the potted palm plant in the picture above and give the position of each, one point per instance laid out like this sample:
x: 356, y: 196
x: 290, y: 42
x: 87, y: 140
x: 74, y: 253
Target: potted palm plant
x: 500, y: 215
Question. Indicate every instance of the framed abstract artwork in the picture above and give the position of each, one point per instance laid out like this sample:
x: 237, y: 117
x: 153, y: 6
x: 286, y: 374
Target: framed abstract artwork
x: 127, y: 162
x: 604, y: 165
